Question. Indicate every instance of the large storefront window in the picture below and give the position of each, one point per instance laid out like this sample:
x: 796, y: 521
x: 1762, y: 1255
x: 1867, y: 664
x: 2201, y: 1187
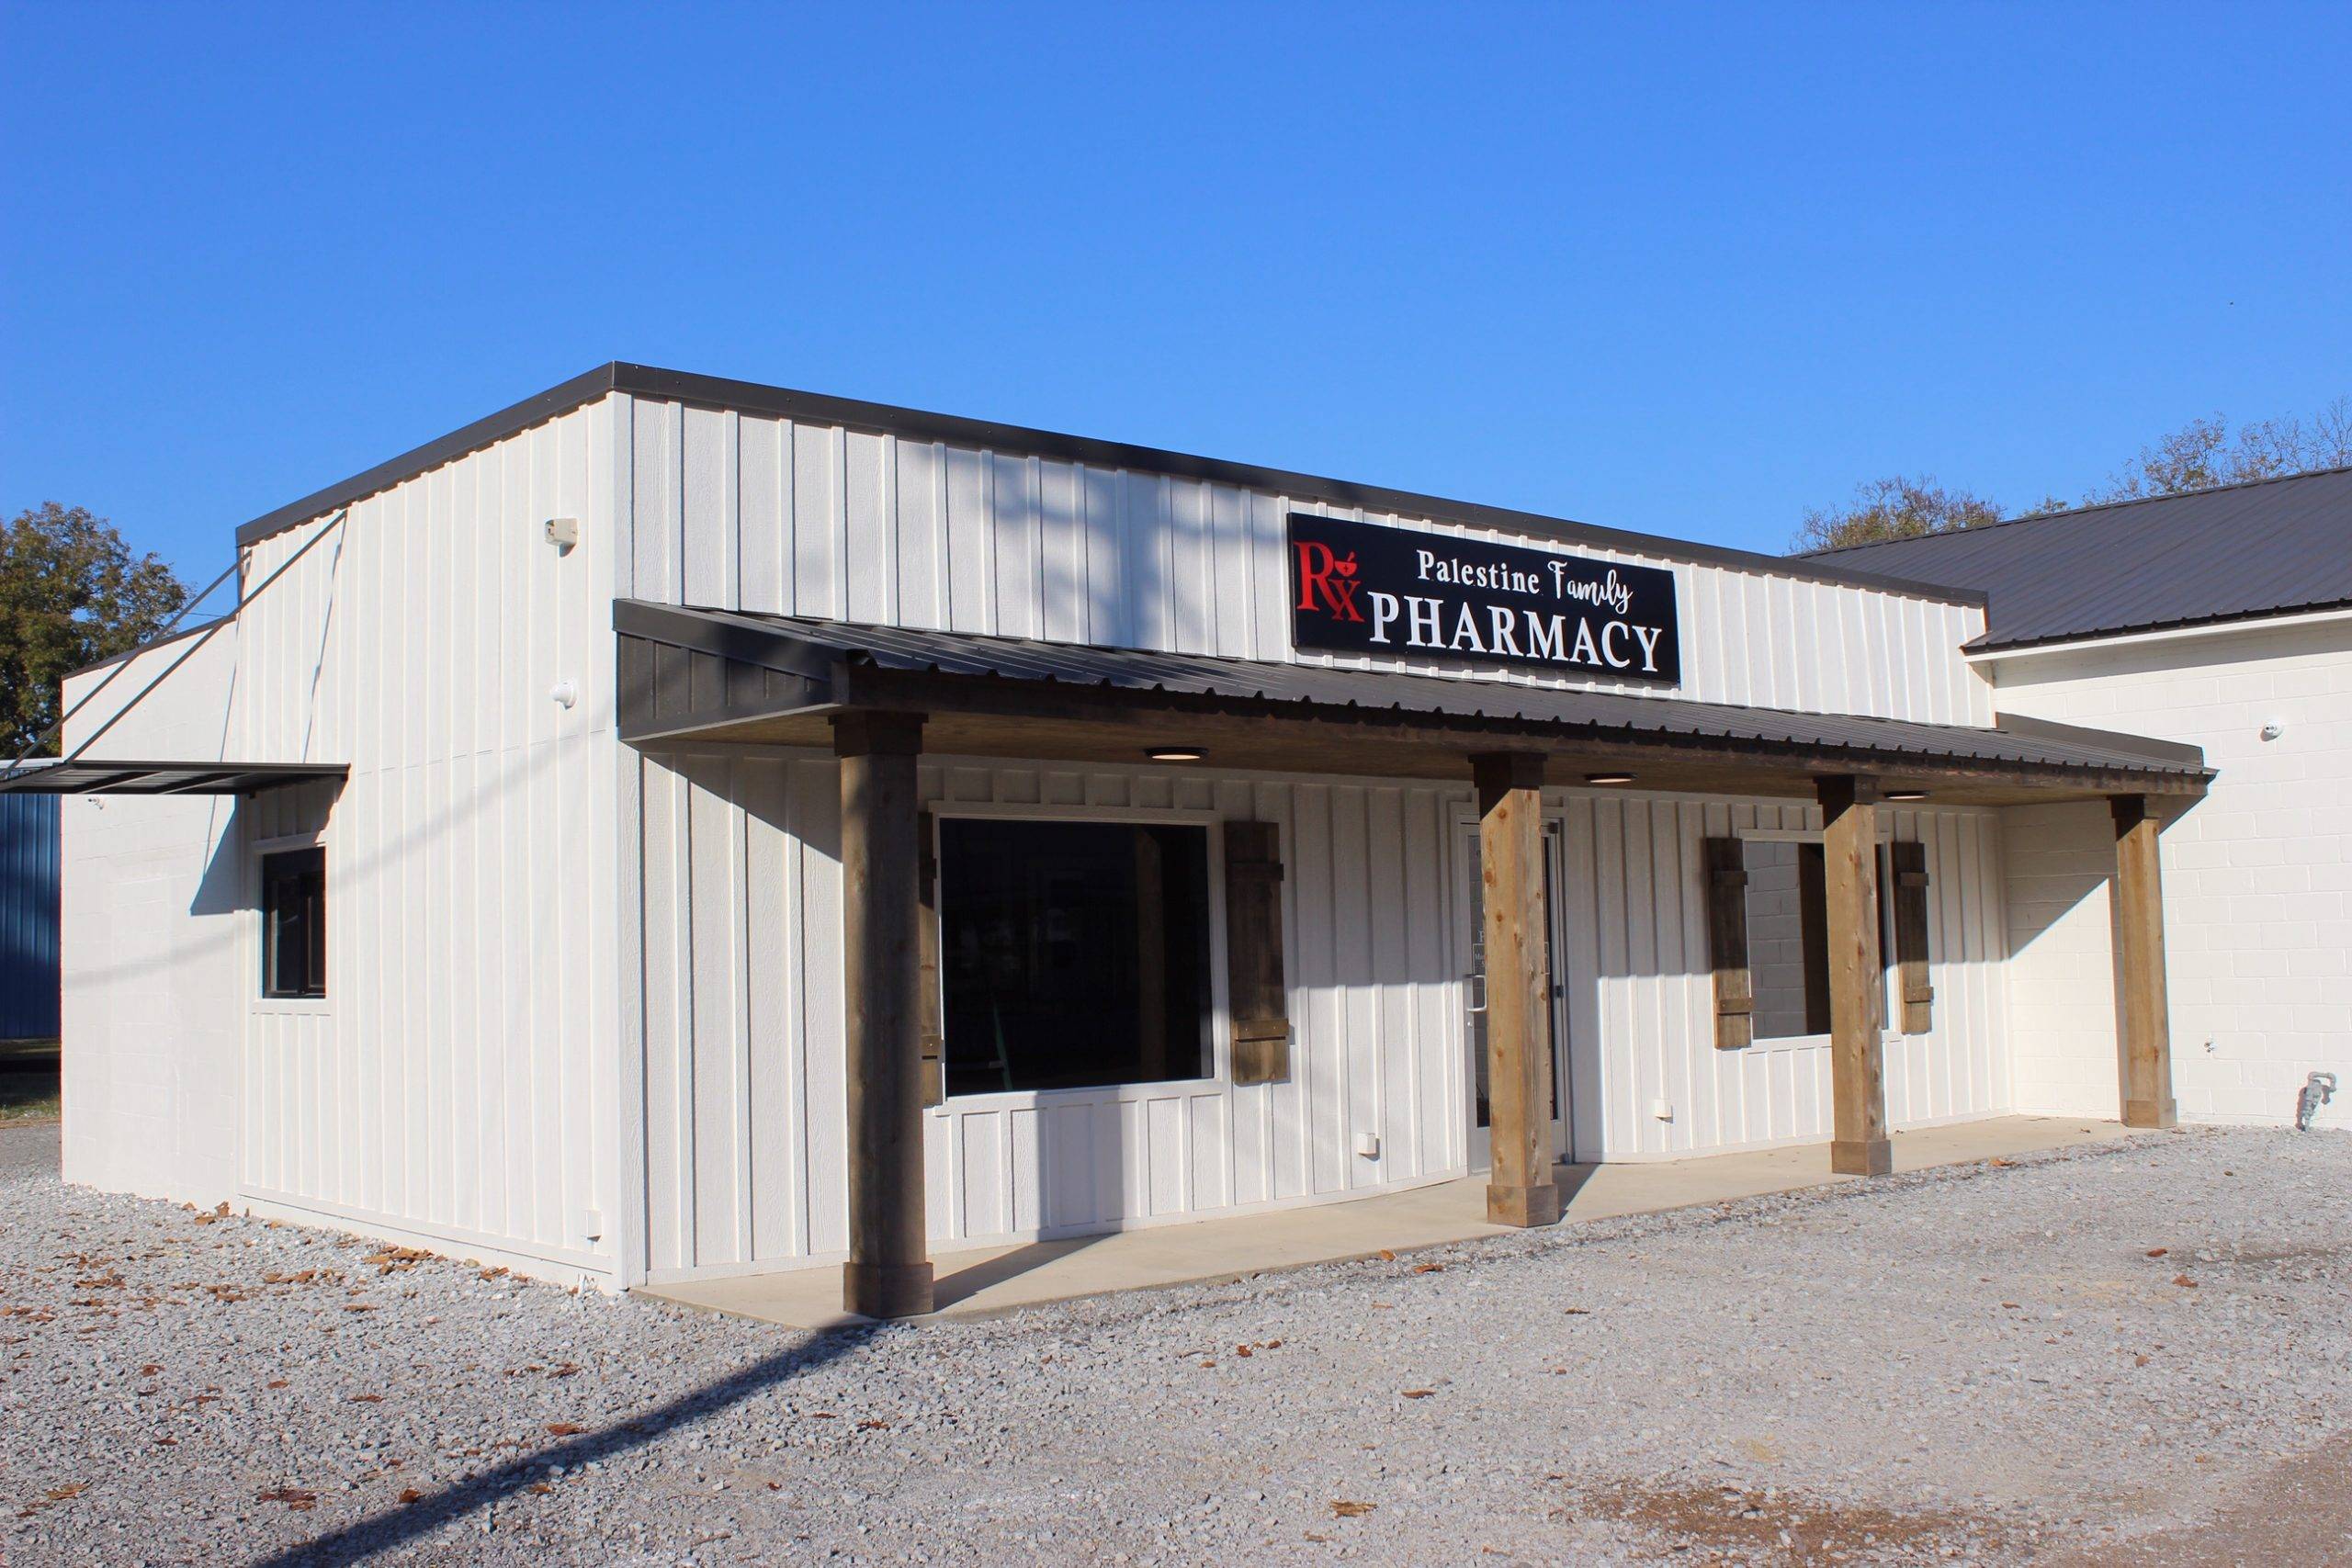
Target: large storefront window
x: 1073, y: 954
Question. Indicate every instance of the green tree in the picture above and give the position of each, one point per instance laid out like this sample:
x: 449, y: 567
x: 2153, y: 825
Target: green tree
x: 2200, y: 454
x: 1895, y: 508
x: 71, y: 593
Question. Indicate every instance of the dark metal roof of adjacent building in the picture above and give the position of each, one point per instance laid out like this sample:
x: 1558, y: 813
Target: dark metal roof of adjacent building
x: 50, y: 775
x: 807, y: 649
x: 2266, y: 548
x: 753, y: 397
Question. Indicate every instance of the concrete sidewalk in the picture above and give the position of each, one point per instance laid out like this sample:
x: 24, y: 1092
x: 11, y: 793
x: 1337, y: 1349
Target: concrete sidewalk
x: 982, y: 1281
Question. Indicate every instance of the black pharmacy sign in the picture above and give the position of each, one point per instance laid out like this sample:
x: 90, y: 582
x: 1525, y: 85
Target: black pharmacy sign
x: 1358, y: 588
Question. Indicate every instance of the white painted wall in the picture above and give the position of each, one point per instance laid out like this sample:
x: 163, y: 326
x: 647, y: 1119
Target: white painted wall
x: 2060, y: 870
x: 458, y: 1084
x: 734, y: 510
x: 150, y: 932
x: 745, y: 1129
x: 2257, y: 877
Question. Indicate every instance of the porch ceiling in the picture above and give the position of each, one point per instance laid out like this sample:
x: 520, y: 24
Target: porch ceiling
x: 694, y: 676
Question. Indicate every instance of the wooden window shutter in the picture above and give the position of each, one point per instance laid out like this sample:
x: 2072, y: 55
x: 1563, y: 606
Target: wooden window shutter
x: 1253, y: 953
x: 935, y: 1067
x: 1728, y: 944
x: 1909, y: 863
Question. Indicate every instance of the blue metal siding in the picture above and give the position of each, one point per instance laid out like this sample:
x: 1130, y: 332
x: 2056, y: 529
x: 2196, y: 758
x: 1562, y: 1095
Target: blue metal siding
x: 28, y: 916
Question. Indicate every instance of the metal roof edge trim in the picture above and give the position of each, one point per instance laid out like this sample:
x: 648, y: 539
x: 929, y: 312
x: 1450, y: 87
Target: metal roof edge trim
x: 754, y: 396
x: 1987, y: 645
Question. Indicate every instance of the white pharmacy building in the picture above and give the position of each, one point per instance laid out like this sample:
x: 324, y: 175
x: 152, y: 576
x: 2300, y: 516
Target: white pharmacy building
x: 678, y: 828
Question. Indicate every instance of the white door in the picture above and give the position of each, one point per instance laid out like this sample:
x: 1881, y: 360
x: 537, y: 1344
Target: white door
x: 1470, y: 949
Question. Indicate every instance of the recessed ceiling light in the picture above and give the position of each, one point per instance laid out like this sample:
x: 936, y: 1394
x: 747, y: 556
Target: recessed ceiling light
x: 1609, y: 778
x: 1173, y: 754
x: 1907, y: 795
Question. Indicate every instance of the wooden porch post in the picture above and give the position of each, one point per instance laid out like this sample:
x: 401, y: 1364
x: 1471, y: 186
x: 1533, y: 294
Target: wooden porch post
x: 889, y: 1273
x: 2143, y: 1018
x: 1519, y: 1190
x: 1857, y: 986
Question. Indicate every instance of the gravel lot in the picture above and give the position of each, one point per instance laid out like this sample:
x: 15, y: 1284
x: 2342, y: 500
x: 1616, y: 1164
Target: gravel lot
x: 1994, y: 1364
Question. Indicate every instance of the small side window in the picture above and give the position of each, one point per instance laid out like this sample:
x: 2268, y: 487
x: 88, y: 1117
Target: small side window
x: 294, y: 923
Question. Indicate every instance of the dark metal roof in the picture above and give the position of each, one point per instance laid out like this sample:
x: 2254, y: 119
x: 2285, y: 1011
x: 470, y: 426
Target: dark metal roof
x: 804, y: 649
x: 752, y: 397
x: 49, y: 776
x: 2269, y: 547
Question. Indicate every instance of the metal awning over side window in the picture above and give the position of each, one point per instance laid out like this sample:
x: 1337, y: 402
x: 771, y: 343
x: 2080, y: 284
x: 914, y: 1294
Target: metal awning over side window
x: 86, y: 776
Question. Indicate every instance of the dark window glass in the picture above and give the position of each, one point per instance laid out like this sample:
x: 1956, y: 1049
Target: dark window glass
x: 294, y: 923
x: 1788, y: 935
x: 1073, y: 954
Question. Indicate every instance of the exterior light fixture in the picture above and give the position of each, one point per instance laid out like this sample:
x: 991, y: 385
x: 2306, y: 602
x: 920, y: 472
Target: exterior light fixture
x: 1174, y: 754
x: 1609, y: 778
x: 1907, y: 795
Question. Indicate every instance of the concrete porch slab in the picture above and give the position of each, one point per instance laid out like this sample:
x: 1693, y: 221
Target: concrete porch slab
x: 983, y: 1281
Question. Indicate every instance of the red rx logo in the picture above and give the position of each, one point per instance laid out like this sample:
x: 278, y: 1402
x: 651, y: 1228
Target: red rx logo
x: 1333, y: 578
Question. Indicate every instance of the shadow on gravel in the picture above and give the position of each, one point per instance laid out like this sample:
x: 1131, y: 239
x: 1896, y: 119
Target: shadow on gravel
x: 399, y: 1525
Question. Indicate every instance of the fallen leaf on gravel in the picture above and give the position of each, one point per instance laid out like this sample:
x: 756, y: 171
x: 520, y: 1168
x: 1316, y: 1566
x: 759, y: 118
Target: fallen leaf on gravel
x: 1210, y: 1362
x: 293, y: 1497
x: 2139, y: 1360
x: 393, y: 1257
x: 2158, y: 1251
x: 872, y: 1426
x: 1242, y: 1350
x: 1576, y: 1311
x: 1428, y: 1268
x: 1353, y: 1510
x: 564, y: 1428
x: 2009, y: 1304
x: 2001, y: 1162
x: 2184, y: 1281
x: 411, y: 1494
x: 168, y: 1442
x: 357, y: 1306
x: 1418, y: 1393
x: 492, y: 1274
x: 1386, y: 1256
x: 541, y: 1487
x: 367, y: 1399
x: 60, y: 1493
x: 275, y: 1382
x: 1270, y: 1345
x: 150, y: 1370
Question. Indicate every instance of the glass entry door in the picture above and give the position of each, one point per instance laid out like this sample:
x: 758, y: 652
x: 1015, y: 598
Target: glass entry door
x: 1470, y: 945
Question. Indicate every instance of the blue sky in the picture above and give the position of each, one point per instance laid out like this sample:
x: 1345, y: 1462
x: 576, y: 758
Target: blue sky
x: 1684, y: 269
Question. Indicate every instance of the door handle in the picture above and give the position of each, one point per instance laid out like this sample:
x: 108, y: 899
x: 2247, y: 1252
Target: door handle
x: 1474, y: 985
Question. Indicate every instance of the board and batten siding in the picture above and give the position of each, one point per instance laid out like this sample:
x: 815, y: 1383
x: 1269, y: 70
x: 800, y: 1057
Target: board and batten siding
x: 1641, y: 1004
x: 740, y: 512
x: 460, y: 1079
x: 745, y: 1156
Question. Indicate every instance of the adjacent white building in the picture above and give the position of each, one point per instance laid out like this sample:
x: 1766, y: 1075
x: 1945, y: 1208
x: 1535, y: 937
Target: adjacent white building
x: 2222, y: 618
x: 676, y: 828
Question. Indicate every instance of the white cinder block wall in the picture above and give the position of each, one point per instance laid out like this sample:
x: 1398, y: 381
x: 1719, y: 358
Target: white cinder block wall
x: 2257, y: 876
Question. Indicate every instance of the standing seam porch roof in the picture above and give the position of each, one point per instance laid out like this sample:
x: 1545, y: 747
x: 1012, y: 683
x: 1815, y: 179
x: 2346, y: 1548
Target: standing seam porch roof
x: 808, y: 647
